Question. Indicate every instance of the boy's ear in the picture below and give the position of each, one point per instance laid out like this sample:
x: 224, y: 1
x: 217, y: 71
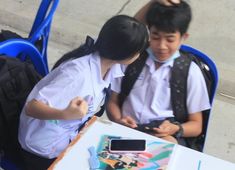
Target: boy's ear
x: 185, y: 36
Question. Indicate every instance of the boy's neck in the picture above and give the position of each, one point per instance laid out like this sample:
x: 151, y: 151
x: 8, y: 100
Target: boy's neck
x: 158, y: 65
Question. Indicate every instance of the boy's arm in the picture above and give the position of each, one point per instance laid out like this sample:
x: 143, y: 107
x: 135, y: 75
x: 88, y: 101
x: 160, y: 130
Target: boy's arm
x: 115, y: 114
x: 140, y: 15
x: 191, y: 128
x: 76, y: 109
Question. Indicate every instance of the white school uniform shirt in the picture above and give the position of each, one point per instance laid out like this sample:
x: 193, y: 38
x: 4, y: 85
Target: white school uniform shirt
x: 79, y: 77
x: 150, y: 97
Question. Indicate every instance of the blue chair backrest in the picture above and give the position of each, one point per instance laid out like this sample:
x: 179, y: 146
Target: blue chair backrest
x: 41, y: 27
x: 214, y: 75
x: 14, y: 47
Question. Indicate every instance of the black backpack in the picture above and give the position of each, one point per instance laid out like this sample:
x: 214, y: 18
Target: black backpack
x: 17, y: 79
x: 178, y: 85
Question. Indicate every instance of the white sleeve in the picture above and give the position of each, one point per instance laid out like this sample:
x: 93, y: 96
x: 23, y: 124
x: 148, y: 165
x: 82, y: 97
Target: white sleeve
x: 116, y: 84
x: 59, y: 90
x: 197, y: 95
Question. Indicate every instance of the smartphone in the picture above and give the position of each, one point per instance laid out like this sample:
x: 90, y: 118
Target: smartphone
x: 148, y: 128
x: 127, y: 145
x: 144, y: 128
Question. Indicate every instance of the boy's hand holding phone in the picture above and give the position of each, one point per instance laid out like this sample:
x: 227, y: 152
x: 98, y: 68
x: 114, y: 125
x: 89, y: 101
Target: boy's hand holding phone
x: 149, y: 127
x: 165, y: 129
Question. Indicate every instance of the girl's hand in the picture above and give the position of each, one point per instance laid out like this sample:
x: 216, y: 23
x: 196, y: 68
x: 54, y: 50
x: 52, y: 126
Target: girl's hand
x: 76, y: 109
x: 128, y: 121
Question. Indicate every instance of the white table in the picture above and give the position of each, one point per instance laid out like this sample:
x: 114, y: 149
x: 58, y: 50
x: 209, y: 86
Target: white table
x: 76, y: 155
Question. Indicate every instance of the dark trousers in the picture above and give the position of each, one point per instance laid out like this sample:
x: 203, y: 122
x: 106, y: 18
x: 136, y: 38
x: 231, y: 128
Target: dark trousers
x: 34, y: 162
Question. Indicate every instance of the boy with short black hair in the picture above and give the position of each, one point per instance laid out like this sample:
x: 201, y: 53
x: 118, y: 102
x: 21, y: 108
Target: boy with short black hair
x: 150, y: 98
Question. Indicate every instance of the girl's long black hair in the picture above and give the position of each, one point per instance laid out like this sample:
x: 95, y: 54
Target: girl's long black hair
x: 120, y: 38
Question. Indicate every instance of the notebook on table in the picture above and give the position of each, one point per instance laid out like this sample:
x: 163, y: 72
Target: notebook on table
x: 157, y: 156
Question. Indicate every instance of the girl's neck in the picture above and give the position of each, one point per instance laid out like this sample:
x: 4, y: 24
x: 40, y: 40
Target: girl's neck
x: 106, y: 64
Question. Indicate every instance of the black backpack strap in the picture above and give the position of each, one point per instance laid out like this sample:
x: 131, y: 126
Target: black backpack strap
x: 205, y: 72
x: 178, y: 83
x: 197, y: 143
x: 131, y: 74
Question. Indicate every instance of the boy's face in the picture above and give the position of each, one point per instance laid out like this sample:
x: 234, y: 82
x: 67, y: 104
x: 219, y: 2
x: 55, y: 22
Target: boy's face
x: 164, y: 44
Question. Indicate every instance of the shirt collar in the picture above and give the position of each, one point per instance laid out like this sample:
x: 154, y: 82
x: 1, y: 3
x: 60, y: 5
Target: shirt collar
x: 114, y: 72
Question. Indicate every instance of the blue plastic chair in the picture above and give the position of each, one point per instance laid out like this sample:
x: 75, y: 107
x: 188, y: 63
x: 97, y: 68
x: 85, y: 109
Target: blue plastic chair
x: 214, y: 74
x: 40, y: 30
x: 14, y: 47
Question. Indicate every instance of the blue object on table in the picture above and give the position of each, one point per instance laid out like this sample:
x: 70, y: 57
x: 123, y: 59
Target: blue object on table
x: 199, y: 165
x: 93, y: 160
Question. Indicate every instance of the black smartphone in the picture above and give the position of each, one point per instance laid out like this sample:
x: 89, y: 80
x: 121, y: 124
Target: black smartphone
x: 127, y: 145
x: 145, y: 128
x: 148, y: 128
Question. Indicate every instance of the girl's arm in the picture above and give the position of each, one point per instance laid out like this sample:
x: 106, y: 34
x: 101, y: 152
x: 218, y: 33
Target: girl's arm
x: 115, y: 114
x: 76, y: 109
x: 140, y: 15
x: 113, y: 109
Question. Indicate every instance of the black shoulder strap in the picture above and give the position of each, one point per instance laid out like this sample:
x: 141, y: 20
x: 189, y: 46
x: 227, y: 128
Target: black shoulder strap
x: 205, y: 72
x: 178, y: 83
x: 131, y: 74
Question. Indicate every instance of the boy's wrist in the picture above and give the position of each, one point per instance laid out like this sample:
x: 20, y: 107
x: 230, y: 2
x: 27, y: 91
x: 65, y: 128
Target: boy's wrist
x: 179, y: 133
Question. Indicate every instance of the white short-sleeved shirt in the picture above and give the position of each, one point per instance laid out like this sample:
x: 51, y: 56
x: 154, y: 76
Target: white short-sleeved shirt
x: 79, y: 77
x: 150, y: 97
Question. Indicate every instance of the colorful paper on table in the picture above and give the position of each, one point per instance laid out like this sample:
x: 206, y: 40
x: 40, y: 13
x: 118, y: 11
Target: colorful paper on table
x: 156, y: 156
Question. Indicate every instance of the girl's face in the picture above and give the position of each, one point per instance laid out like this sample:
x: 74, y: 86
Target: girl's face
x: 130, y: 59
